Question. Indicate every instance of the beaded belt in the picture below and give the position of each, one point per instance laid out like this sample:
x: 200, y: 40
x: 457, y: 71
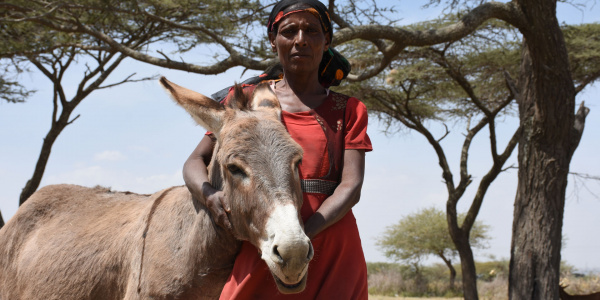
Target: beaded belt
x: 318, y: 186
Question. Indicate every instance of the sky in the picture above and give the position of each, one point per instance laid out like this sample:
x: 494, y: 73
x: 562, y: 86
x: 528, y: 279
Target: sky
x: 133, y: 137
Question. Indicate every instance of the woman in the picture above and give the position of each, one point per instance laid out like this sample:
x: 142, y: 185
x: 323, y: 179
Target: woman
x: 331, y: 128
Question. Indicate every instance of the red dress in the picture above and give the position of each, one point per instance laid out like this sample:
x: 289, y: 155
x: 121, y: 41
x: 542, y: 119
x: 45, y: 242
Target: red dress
x: 338, y: 269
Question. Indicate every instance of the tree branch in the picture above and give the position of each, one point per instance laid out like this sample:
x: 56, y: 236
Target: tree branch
x: 445, y: 134
x: 126, y: 80
x: 465, y: 178
x: 578, y: 126
x: 191, y: 28
x: 510, y: 83
x: 487, y: 180
x: 102, y: 61
x: 443, y: 162
x: 388, y: 55
x: 585, y: 176
x: 375, y: 33
x: 459, y: 78
x: 468, y: 23
x: 588, y: 79
x: 73, y: 120
x: 53, y: 77
x: 52, y: 48
x: 217, y: 68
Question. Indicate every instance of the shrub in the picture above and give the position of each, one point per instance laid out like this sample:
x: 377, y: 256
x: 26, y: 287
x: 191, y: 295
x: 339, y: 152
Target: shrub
x: 391, y: 279
x: 494, y: 289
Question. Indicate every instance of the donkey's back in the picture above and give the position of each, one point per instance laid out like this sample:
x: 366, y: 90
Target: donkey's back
x: 73, y: 242
x: 61, y: 234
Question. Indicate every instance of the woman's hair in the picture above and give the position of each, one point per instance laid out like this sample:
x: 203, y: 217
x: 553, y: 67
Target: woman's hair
x: 287, y: 7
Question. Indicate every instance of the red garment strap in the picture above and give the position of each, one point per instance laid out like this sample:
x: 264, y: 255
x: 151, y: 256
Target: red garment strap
x: 331, y: 116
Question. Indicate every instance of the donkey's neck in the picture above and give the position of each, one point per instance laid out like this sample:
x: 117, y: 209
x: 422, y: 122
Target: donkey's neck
x: 214, y: 247
x: 198, y: 256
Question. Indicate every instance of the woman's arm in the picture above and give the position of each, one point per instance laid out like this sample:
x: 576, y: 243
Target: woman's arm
x: 345, y: 196
x: 195, y: 175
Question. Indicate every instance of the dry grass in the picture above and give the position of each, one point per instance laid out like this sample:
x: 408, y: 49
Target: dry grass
x: 496, y: 289
x: 393, y: 282
x: 387, y: 281
x: 577, y: 285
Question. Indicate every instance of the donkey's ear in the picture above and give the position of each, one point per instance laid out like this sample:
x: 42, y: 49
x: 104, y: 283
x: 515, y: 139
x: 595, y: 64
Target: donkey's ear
x: 264, y: 98
x: 205, y: 111
x: 238, y: 100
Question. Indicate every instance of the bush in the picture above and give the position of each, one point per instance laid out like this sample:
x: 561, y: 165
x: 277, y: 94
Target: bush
x: 390, y: 279
x: 490, y: 270
x: 494, y: 289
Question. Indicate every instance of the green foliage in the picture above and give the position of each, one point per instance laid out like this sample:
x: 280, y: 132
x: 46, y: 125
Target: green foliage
x: 135, y: 24
x: 489, y: 270
x: 425, y: 233
x: 44, y: 31
x: 439, y: 82
x: 10, y: 89
x: 583, y: 44
x: 12, y: 92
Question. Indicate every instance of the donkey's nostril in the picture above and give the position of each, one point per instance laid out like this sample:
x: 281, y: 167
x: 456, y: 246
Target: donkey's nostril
x: 311, y: 251
x: 276, y: 253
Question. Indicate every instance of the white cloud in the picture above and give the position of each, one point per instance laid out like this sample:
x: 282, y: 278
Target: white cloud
x: 109, y: 155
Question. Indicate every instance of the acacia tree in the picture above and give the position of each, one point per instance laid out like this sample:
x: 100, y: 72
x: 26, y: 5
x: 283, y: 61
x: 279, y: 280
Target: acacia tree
x: 54, y: 66
x: 466, y: 81
x: 53, y: 53
x: 425, y: 233
x: 462, y: 80
x: 544, y: 90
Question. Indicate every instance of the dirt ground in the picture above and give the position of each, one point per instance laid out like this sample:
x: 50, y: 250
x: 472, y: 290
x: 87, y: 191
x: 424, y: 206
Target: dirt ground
x: 375, y: 297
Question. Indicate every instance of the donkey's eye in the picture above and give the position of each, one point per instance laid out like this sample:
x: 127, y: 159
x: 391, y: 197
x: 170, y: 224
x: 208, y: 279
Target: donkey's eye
x: 297, y: 164
x: 235, y: 170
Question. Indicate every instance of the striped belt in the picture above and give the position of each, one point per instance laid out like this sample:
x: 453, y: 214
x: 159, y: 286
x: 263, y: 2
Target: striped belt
x: 318, y: 186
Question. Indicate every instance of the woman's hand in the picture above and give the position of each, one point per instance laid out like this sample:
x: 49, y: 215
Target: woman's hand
x: 219, y: 210
x: 345, y: 196
x: 195, y: 175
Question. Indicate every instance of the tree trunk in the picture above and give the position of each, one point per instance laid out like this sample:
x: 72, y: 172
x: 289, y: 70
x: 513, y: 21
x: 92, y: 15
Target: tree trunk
x: 32, y: 184
x: 467, y: 266
x: 452, y: 271
x: 546, y: 108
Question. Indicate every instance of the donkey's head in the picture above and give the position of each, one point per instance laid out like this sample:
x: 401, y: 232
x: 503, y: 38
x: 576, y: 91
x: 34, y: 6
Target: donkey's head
x: 255, y: 162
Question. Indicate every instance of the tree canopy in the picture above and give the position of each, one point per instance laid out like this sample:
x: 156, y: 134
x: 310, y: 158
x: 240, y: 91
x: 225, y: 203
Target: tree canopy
x: 425, y: 233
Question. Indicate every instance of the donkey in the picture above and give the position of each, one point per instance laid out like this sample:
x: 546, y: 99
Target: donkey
x: 73, y: 242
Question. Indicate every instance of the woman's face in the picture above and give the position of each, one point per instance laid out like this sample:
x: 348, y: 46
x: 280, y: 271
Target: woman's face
x: 300, y: 43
